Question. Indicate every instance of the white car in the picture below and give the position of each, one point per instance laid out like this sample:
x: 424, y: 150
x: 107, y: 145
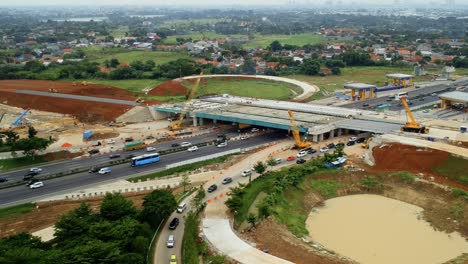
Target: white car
x: 254, y: 129
x: 35, y: 170
x: 324, y: 149
x: 246, y: 173
x: 104, y: 170
x: 222, y: 145
x: 244, y: 137
x: 36, y: 185
x: 301, y: 154
x: 170, y: 241
x: 149, y: 149
x: 191, y: 149
x: 110, y: 141
x: 352, y: 139
x: 185, y: 144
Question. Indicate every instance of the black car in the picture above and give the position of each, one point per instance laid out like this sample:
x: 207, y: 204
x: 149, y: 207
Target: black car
x: 350, y: 143
x: 174, y: 223
x: 360, y: 140
x: 340, y: 144
x: 27, y: 177
x: 311, y: 151
x: 227, y: 180
x: 93, y: 170
x: 130, y: 156
x: 114, y: 156
x: 212, y: 188
x: 129, y: 139
x: 93, y: 151
x: 331, y: 145
x: 300, y: 161
x: 3, y: 179
x: 32, y: 173
x: 175, y: 145
x: 32, y: 181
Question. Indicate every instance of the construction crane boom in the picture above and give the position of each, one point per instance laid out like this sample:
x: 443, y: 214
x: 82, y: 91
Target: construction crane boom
x: 296, y: 134
x: 177, y: 125
x: 411, y: 124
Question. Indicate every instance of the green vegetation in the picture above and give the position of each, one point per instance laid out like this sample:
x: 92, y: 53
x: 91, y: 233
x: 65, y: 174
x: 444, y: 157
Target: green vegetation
x: 181, y: 169
x: 262, y: 41
x: 195, y: 36
x: 16, y: 210
x: 197, y: 21
x: 455, y: 169
x: 460, y: 193
x: 327, y: 188
x: 190, y: 245
x: 250, y: 88
x: 123, y: 55
x: 7, y: 164
x: 136, y: 86
x: 406, y: 177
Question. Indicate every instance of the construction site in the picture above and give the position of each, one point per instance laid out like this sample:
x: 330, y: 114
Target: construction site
x: 431, y: 147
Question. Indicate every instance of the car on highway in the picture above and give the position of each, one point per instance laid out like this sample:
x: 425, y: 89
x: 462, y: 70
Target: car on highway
x: 114, y: 156
x: 311, y: 151
x: 170, y: 241
x: 93, y: 151
x: 365, y: 104
x: 300, y: 161
x: 246, y: 173
x: 426, y: 111
x: 35, y: 170
x: 350, y: 143
x: 174, y: 223
x: 185, y: 144
x: 104, y: 170
x: 36, y: 185
x: 324, y: 149
x: 301, y: 154
x: 222, y: 144
x: 212, y: 188
x: 191, y: 149
x: 32, y: 173
x: 227, y: 180
x: 291, y: 158
x: 93, y: 170
x: 360, y: 140
x: 433, y: 94
x: 173, y: 259
x: 149, y: 149
x: 175, y: 145
x: 244, y: 137
x: 32, y: 181
x: 3, y: 179
x: 110, y: 141
x: 331, y: 145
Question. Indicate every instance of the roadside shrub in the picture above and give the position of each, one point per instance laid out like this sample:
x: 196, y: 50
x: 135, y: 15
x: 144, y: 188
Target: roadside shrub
x: 405, y: 176
x: 370, y: 183
x: 459, y: 193
x: 326, y: 188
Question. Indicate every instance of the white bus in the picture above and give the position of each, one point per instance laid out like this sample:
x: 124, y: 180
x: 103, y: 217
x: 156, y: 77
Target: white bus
x: 398, y: 96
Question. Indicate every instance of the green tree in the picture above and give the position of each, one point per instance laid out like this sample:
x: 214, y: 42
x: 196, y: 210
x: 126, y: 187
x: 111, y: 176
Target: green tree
x: 271, y: 162
x: 12, y: 137
x: 260, y: 167
x: 133, y: 258
x: 93, y: 251
x: 310, y: 67
x: 339, y: 151
x: 115, y: 206
x: 32, y: 132
x: 114, y: 63
x: 185, y: 181
x: 248, y: 67
x: 157, y: 206
x: 198, y: 199
x: 34, y: 66
x: 275, y: 46
x: 29, y: 146
x: 74, y: 224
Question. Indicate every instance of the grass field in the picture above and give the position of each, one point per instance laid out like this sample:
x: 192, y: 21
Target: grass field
x: 136, y: 86
x: 250, y: 88
x: 7, y: 164
x: 16, y: 210
x: 455, y: 169
x: 119, y: 33
x: 262, y: 41
x: 195, y: 36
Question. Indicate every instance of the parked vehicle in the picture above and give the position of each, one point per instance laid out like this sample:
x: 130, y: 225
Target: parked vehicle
x: 192, y: 149
x: 93, y: 170
x: 114, y: 156
x: 129, y: 139
x: 227, y: 180
x: 170, y: 241
x: 93, y: 151
x: 129, y: 156
x: 149, y: 149
x: 324, y: 149
x: 174, y: 223
x: 35, y: 170
x: 181, y: 208
x: 300, y: 161
x: 311, y: 151
x: 185, y: 144
x: 96, y: 143
x: 301, y: 154
x: 104, y: 170
x: 246, y: 173
x: 32, y: 173
x: 110, y: 141
x: 36, y: 185
x: 360, y: 140
x: 254, y: 129
x: 350, y: 143
x: 212, y: 188
x: 244, y: 137
x: 331, y: 145
x: 27, y: 177
x: 278, y: 161
x: 291, y: 158
x: 352, y: 139
x: 175, y: 145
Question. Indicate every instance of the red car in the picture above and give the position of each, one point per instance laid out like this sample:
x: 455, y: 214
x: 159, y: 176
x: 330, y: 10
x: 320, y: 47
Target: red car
x: 291, y: 158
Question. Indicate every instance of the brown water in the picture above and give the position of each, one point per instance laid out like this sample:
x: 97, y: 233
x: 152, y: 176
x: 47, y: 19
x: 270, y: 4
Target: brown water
x: 375, y: 229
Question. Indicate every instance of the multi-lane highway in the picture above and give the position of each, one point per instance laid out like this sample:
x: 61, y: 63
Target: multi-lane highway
x: 21, y: 194
x: 417, y: 97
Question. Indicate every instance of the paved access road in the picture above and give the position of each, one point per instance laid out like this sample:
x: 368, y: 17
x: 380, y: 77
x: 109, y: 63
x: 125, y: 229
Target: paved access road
x: 96, y: 160
x: 22, y: 194
x: 80, y: 97
x: 417, y: 97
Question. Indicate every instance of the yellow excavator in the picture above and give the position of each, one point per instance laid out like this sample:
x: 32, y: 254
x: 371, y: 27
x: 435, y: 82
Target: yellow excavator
x: 411, y: 124
x: 177, y: 124
x: 296, y: 134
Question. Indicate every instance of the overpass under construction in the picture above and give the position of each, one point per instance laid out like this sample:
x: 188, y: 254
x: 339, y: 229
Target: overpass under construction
x: 316, y: 121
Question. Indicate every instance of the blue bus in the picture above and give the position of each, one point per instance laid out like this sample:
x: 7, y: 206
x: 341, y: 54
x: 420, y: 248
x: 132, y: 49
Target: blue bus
x: 145, y: 159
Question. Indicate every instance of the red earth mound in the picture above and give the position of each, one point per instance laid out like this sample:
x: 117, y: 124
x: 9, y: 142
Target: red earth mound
x: 169, y: 88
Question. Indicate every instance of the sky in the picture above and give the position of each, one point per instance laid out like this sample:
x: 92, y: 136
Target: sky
x: 198, y: 2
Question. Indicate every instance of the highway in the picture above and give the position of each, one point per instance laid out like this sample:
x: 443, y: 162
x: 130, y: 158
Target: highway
x: 96, y: 160
x: 420, y: 96
x: 22, y: 194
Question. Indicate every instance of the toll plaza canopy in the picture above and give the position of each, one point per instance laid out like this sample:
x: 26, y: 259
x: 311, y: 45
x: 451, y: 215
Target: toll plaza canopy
x: 454, y: 97
x: 361, y: 91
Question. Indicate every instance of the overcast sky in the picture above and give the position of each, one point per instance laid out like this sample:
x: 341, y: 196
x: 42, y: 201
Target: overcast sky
x: 201, y: 2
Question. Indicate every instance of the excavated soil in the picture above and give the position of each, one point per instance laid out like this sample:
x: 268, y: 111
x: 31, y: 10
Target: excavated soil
x: 169, y: 88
